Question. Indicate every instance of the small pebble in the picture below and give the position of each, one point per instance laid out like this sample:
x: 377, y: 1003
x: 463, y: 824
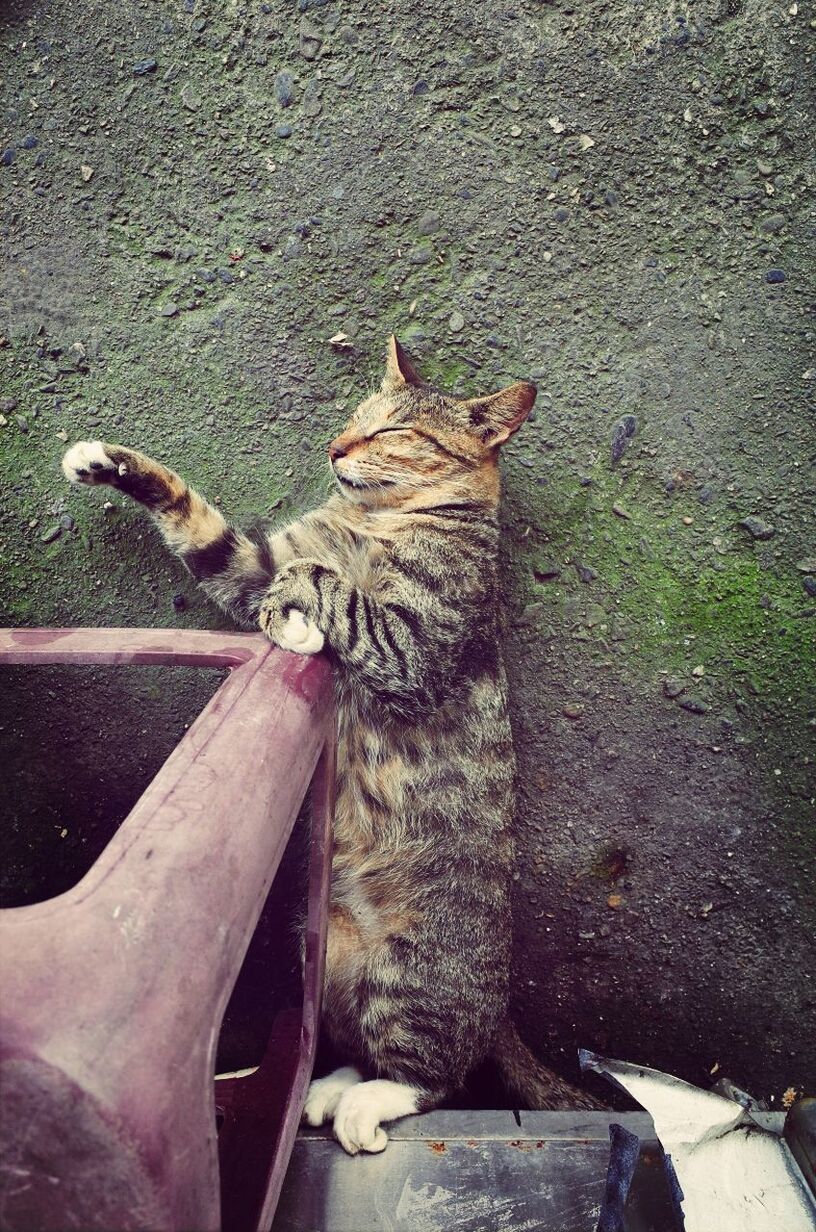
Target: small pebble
x: 573, y: 710
x: 756, y: 528
x: 51, y: 534
x: 310, y: 41
x: 142, y: 67
x: 672, y: 687
x: 428, y: 224
x: 456, y: 322
x: 312, y: 105
x: 620, y: 512
x: 809, y: 584
x: 179, y: 603
x: 421, y: 254
x: 623, y: 432
x: 585, y: 572
x: 169, y: 310
x: 693, y: 705
x: 775, y: 275
x: 189, y: 98
x: 546, y: 572
x: 284, y: 87
x: 66, y: 521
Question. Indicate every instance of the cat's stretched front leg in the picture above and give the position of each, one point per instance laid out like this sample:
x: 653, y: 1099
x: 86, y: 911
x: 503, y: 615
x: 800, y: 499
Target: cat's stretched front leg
x: 235, y: 569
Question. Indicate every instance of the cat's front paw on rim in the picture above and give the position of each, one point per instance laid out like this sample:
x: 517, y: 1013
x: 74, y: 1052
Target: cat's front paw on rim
x: 295, y: 633
x: 87, y: 462
x: 362, y: 1108
x: 357, y: 1122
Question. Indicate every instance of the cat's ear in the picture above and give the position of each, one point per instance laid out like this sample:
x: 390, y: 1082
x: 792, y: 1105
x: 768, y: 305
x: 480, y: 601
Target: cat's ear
x: 496, y: 417
x: 399, y: 370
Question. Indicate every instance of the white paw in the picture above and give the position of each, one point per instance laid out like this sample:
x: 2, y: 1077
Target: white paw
x: 357, y: 1121
x: 362, y: 1108
x: 300, y: 635
x: 325, y: 1093
x: 86, y: 462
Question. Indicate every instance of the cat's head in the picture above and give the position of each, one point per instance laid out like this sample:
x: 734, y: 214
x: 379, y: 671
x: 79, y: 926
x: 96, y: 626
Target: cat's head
x: 408, y: 441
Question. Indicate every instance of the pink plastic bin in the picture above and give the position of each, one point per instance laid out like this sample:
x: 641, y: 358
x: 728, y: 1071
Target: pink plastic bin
x: 113, y: 993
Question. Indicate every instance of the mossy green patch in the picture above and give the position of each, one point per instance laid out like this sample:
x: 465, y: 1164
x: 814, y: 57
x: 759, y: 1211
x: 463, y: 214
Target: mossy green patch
x: 670, y: 598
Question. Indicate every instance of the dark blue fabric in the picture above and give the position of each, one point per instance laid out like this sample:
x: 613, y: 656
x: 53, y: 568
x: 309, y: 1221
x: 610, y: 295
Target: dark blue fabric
x: 623, y: 1156
x: 676, y: 1192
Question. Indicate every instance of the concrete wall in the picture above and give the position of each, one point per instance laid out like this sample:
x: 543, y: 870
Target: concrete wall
x: 612, y: 198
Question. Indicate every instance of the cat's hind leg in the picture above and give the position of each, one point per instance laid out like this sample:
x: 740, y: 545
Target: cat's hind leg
x: 363, y: 1107
x: 325, y: 1094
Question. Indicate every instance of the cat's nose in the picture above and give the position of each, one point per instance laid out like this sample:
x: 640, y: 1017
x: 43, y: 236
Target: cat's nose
x: 337, y: 450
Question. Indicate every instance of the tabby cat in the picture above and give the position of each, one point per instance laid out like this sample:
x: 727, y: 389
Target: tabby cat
x: 395, y: 577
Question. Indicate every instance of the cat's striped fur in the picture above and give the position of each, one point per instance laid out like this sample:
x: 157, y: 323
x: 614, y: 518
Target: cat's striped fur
x: 396, y: 573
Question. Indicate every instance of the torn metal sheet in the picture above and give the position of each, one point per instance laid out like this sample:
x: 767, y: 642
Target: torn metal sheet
x: 734, y: 1172
x: 473, y: 1171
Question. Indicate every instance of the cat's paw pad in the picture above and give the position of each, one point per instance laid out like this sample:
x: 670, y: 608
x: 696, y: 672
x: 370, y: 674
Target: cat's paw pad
x: 87, y: 462
x: 325, y: 1094
x: 357, y: 1121
x: 299, y: 634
